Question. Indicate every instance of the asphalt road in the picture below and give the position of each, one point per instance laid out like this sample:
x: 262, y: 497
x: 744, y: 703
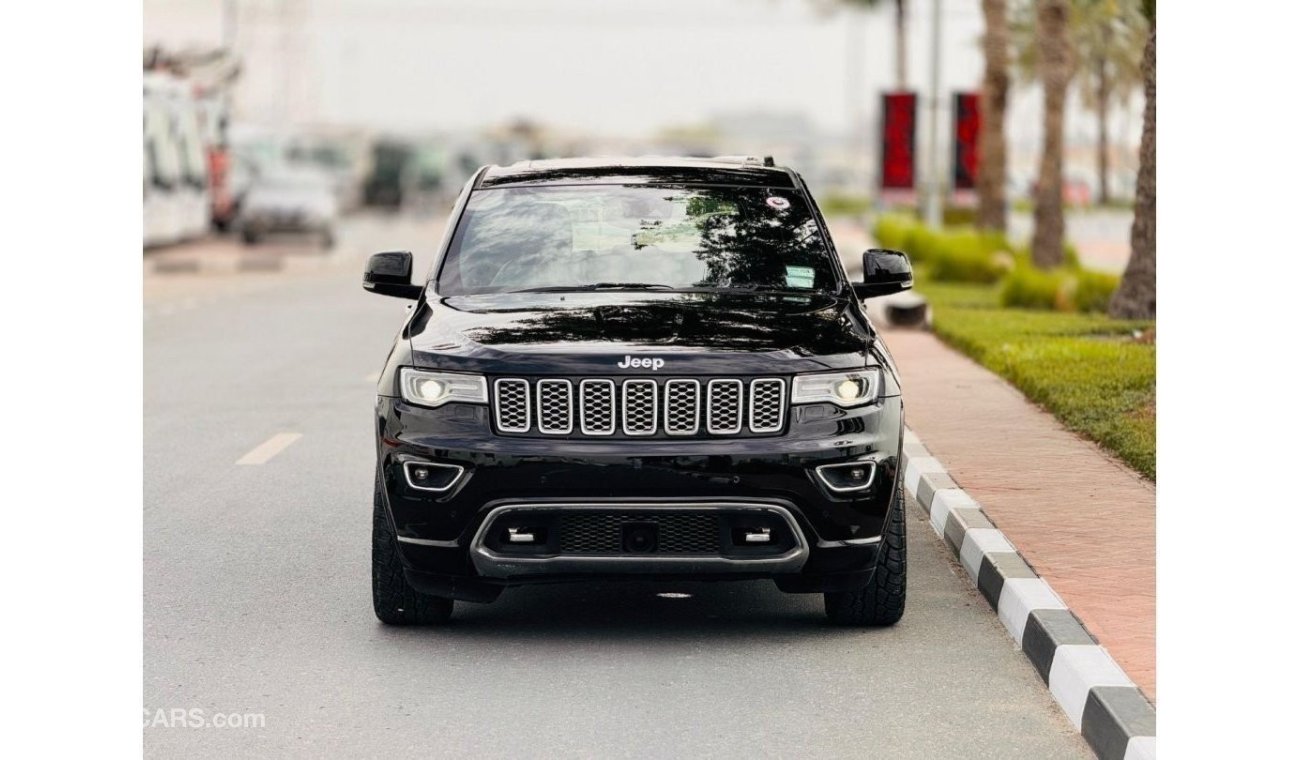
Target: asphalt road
x: 257, y: 598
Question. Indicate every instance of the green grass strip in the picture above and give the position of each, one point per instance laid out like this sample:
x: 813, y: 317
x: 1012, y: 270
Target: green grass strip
x: 1086, y: 369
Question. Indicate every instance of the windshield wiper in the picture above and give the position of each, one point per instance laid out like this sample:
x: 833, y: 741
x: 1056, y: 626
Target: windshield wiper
x: 765, y: 289
x: 745, y: 288
x: 597, y: 286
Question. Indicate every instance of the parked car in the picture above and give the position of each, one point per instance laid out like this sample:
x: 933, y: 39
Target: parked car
x: 652, y: 368
x: 335, y: 157
x: 177, y: 198
x: 391, y: 163
x: 289, y: 201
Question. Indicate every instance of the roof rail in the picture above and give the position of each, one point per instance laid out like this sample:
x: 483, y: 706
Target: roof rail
x: 747, y: 160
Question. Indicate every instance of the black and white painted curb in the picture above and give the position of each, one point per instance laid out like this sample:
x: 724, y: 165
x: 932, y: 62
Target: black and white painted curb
x: 1099, y: 699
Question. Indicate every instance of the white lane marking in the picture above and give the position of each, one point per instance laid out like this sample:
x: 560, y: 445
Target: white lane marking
x: 269, y: 448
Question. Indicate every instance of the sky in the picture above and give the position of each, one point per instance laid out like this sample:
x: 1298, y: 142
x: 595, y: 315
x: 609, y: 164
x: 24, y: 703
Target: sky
x: 615, y: 66
x: 605, y: 67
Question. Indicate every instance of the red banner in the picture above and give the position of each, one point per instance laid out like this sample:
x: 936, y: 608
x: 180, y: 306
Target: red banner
x: 898, y: 141
x: 965, y: 139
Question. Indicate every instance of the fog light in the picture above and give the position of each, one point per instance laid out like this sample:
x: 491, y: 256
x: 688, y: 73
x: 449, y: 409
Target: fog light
x: 755, y: 534
x: 521, y: 536
x: 432, y: 476
x: 850, y: 476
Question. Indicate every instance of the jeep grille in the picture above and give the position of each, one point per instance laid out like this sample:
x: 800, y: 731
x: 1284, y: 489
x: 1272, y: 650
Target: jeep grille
x: 639, y: 407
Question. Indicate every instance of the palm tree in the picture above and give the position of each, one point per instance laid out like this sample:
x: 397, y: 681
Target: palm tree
x: 1109, y: 36
x: 1135, y: 298
x: 1055, y: 65
x: 991, y: 179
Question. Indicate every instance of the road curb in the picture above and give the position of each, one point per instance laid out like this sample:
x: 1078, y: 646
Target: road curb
x: 1100, y: 700
x: 223, y: 257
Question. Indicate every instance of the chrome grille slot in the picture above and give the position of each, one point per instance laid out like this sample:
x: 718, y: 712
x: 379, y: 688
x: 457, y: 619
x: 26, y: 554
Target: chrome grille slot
x: 596, y: 407
x: 640, y: 407
x: 766, y: 405
x: 640, y: 402
x: 682, y: 407
x: 513, y: 411
x: 723, y: 412
x: 555, y: 407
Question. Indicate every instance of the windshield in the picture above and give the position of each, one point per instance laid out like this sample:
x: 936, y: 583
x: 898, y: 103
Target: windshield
x: 583, y: 237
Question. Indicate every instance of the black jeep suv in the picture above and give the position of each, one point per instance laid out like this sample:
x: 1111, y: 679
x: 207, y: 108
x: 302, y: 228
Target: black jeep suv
x: 648, y: 368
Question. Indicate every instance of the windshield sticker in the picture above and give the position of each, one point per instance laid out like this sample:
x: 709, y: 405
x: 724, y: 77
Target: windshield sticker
x: 778, y: 203
x: 799, y: 277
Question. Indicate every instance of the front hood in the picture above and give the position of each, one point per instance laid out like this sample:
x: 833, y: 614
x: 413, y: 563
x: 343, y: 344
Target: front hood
x: 578, y: 333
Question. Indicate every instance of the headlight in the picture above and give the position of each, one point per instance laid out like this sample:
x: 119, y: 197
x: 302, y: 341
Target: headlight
x: 840, y: 388
x: 437, y: 388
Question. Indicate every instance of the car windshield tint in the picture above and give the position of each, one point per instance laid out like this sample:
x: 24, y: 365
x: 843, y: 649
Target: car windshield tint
x: 512, y: 239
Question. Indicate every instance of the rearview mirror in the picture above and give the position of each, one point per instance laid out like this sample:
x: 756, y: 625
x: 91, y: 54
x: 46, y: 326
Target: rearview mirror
x: 884, y: 271
x: 389, y: 274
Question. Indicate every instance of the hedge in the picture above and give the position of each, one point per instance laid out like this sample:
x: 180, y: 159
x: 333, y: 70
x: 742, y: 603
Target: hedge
x: 964, y: 254
x: 1059, y: 289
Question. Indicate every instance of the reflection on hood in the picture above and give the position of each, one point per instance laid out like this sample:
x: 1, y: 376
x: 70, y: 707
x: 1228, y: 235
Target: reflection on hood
x: 810, y: 325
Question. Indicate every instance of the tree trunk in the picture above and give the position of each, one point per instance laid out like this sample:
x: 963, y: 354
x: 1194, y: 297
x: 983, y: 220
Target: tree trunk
x: 1048, y: 246
x: 991, y: 177
x: 900, y: 43
x: 1103, y: 139
x: 1135, y: 298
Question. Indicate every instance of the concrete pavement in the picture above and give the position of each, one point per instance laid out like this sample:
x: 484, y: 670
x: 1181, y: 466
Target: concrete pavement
x: 257, y: 588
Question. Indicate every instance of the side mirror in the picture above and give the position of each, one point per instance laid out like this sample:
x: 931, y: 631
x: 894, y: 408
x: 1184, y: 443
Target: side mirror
x: 883, y: 272
x: 389, y: 274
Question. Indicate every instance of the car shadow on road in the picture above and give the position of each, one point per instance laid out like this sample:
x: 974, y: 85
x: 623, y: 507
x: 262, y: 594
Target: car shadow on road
x: 631, y: 611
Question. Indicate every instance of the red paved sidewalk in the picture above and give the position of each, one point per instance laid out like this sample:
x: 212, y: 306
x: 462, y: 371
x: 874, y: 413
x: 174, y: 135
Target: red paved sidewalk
x: 1083, y: 520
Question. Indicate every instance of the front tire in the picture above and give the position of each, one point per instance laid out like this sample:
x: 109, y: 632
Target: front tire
x: 880, y: 602
x: 396, y: 603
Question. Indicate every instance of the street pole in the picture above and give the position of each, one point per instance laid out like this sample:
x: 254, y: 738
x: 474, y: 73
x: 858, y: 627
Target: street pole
x: 934, y: 197
x: 860, y: 147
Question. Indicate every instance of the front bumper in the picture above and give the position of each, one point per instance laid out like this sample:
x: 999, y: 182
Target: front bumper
x: 441, y: 534
x: 264, y: 222
x: 784, y: 548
